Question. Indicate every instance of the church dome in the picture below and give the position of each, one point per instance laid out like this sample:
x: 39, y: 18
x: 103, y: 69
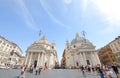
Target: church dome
x: 81, y: 42
x: 78, y: 40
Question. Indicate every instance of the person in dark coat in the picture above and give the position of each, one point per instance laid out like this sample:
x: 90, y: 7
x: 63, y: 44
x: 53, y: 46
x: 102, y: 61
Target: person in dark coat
x: 115, y: 68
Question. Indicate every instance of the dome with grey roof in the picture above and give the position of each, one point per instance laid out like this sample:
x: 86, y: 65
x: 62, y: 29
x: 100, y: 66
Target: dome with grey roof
x: 81, y: 42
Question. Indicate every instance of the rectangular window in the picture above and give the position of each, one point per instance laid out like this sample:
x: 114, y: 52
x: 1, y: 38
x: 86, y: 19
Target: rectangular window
x: 2, y: 47
x: 0, y: 41
x: 10, y: 46
x: 118, y: 42
x: 4, y: 43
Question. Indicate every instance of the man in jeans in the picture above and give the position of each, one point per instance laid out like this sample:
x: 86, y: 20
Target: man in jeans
x: 100, y: 70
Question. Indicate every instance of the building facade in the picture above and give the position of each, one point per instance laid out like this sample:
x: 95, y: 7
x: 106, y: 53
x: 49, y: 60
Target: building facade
x: 106, y: 55
x: 9, y: 52
x: 115, y: 47
x: 79, y: 52
x: 41, y: 52
x: 21, y: 60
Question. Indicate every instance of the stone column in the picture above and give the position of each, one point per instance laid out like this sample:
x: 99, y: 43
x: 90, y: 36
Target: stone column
x: 30, y: 59
x: 73, y: 60
x: 38, y: 59
x: 96, y: 61
x: 70, y: 56
x: 93, y: 59
x: 44, y: 57
x: 84, y: 56
x: 96, y: 55
x: 81, y: 59
x: 27, y: 55
x: 49, y: 59
x: 41, y: 59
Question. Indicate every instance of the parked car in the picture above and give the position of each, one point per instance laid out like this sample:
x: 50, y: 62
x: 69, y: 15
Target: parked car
x: 2, y: 67
x: 16, y: 67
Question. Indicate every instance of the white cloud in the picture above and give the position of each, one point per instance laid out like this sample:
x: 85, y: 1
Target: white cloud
x: 84, y: 5
x: 27, y: 17
x: 47, y: 8
x: 111, y: 11
x: 68, y: 1
x: 109, y: 7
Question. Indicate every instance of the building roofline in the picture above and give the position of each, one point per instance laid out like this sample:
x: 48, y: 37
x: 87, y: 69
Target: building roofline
x: 12, y: 43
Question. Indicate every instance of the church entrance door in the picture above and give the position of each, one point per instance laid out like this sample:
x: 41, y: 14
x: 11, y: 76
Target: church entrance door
x: 35, y: 63
x: 88, y: 62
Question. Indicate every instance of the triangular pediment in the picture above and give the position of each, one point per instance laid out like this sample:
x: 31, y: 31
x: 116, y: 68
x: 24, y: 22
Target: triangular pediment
x: 36, y: 47
x: 87, y: 46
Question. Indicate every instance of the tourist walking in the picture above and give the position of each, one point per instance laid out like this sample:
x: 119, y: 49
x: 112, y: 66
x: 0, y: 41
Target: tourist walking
x: 108, y: 71
x: 31, y: 68
x: 39, y: 70
x: 100, y: 70
x: 115, y: 69
x: 36, y: 70
x: 83, y: 71
x: 23, y: 69
x: 45, y: 67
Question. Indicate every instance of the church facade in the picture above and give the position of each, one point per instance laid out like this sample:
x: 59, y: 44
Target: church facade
x: 41, y: 52
x: 79, y: 52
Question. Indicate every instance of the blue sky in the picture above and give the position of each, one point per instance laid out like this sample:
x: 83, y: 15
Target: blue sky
x: 21, y: 20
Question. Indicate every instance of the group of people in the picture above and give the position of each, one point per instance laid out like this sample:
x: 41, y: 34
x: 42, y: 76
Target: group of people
x: 108, y: 70
x: 37, y: 69
x: 33, y: 69
x: 105, y: 71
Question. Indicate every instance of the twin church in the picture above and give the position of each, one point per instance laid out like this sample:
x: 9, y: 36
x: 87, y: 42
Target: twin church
x: 79, y: 52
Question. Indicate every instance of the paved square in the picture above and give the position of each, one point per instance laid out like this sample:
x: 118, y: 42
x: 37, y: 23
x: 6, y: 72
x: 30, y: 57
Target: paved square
x: 54, y: 73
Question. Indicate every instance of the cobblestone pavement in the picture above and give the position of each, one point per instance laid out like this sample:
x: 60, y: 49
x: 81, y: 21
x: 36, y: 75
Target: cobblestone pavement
x: 55, y: 73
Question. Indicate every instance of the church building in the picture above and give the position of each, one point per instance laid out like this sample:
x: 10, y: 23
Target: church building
x: 41, y: 52
x: 79, y: 52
